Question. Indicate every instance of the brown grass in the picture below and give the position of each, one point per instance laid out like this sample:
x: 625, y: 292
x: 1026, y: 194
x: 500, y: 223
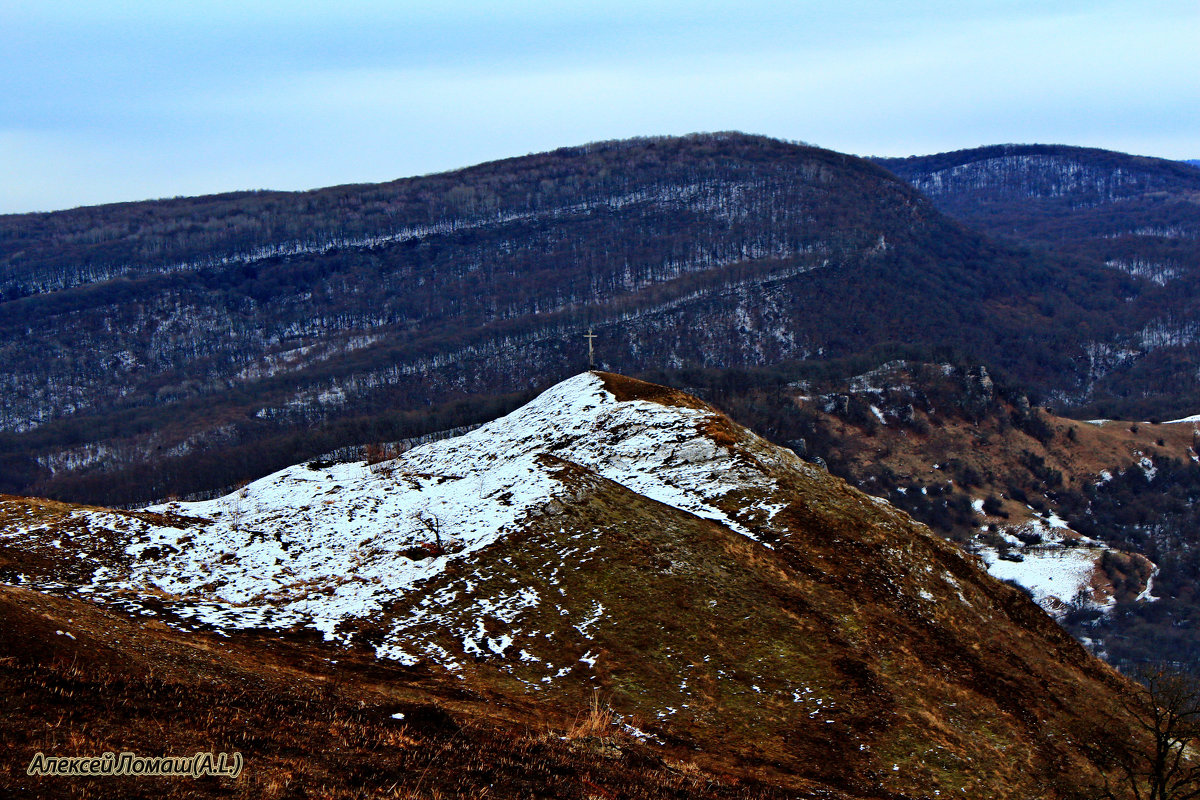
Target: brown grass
x: 996, y: 450
x: 304, y: 727
x: 831, y: 611
x: 597, y: 721
x: 625, y: 388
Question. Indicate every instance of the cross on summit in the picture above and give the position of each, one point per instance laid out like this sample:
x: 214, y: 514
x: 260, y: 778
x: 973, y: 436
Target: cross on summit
x: 591, y: 353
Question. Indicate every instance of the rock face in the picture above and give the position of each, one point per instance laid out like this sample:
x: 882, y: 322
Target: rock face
x: 980, y: 391
x: 619, y: 537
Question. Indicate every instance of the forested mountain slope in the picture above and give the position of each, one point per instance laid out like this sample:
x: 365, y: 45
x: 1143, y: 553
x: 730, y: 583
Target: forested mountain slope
x: 182, y: 345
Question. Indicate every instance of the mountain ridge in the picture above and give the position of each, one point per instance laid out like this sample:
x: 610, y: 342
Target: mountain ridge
x: 726, y: 250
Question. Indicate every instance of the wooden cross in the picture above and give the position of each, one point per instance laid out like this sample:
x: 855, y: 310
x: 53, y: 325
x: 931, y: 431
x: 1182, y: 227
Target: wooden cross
x: 591, y: 353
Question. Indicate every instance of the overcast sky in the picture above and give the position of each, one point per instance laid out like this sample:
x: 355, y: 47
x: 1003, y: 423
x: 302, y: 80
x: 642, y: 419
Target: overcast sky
x: 109, y: 101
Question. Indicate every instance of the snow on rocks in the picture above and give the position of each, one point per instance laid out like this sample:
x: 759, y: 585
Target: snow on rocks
x: 1059, y: 567
x: 655, y: 450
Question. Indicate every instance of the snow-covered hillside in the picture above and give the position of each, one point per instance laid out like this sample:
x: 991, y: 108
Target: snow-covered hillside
x: 315, y: 545
x: 613, y: 539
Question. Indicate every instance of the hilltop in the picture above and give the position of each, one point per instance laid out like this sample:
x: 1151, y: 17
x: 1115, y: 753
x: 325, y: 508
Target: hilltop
x: 740, y: 611
x: 1055, y: 193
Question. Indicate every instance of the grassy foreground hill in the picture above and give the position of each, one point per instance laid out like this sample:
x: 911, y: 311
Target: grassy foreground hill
x: 739, y: 622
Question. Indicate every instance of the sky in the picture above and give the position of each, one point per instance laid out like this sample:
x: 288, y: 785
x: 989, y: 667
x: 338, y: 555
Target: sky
x: 113, y: 101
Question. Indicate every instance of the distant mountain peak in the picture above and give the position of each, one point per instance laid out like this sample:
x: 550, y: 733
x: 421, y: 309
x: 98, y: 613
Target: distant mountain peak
x: 1082, y: 176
